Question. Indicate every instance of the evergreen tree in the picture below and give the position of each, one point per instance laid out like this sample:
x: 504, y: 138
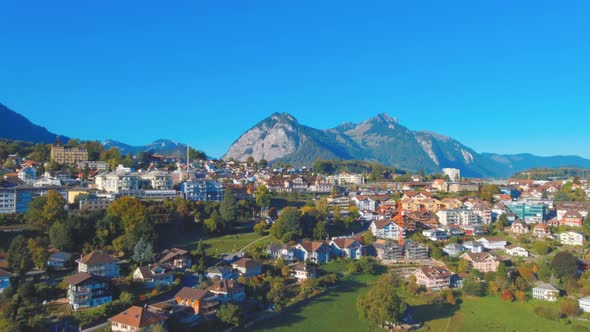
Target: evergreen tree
x: 228, y: 209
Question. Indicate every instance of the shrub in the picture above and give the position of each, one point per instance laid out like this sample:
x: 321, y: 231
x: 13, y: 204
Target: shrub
x: 547, y: 313
x: 580, y: 328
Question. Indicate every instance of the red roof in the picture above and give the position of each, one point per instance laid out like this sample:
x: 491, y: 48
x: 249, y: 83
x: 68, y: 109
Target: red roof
x: 137, y: 317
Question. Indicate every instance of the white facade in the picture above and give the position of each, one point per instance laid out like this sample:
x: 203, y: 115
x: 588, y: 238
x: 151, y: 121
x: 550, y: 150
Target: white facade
x: 572, y: 238
x: 453, y: 173
x: 585, y: 304
x: 28, y: 175
x: 158, y: 180
x: 458, y: 217
x: 517, y: 251
x: 546, y: 292
x: 386, y: 230
x: 116, y: 182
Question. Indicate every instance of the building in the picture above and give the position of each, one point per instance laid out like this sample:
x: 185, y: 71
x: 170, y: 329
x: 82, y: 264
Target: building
x: 453, y: 173
x: 531, y: 213
x: 200, y: 300
x: 415, y: 252
x: 117, y: 182
x: 572, y: 218
x: 545, y: 292
x: 458, y: 217
x: 28, y: 175
x: 100, y: 264
x: 316, y: 251
x: 58, y: 259
x: 157, y: 180
x: 519, y: 227
x: 458, y: 187
x: 389, y: 250
x: 483, y: 262
x: 17, y: 199
x: 276, y: 251
x: 247, y: 267
x: 88, y: 291
x: 440, y: 185
x: 433, y: 278
x: 137, y: 319
x: 97, y: 165
x: 220, y: 272
x: 517, y: 251
x: 202, y: 190
x: 227, y: 291
x: 474, y: 246
x: 154, y: 275
x: 585, y: 304
x: 62, y: 155
x: 436, y: 235
x: 179, y: 259
x: 541, y: 231
x: 303, y: 272
x: 493, y: 243
x: 386, y: 229
x: 95, y: 203
x: 4, y: 279
x: 453, y: 249
x: 572, y: 238
x: 345, y: 247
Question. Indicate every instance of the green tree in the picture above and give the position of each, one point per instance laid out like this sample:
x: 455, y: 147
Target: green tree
x: 62, y: 234
x: 142, y: 252
x: 474, y: 287
x: 213, y: 224
x: 262, y: 197
x: 129, y: 211
x: 319, y: 231
x: 230, y: 314
x: 323, y: 208
x: 288, y: 226
x: 564, y: 266
x: 382, y: 304
x: 19, y: 257
x: 228, y: 209
x: 38, y: 250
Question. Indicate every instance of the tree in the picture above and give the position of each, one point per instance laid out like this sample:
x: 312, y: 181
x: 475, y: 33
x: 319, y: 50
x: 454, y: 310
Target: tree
x: 228, y: 209
x: 382, y: 304
x: 288, y: 226
x: 19, y: 257
x: 230, y: 314
x: 62, y: 235
x: 569, y: 307
x: 129, y: 211
x: 541, y: 247
x: 564, y: 266
x: 213, y: 223
x: 319, y: 231
x: 142, y: 252
x: 323, y: 208
x: 545, y: 272
x: 260, y: 227
x: 45, y: 211
x: 472, y: 286
x: 276, y: 293
x: 38, y: 250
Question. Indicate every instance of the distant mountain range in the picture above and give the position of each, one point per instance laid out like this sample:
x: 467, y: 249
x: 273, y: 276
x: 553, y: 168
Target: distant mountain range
x: 281, y: 137
x: 162, y: 146
x: 16, y: 127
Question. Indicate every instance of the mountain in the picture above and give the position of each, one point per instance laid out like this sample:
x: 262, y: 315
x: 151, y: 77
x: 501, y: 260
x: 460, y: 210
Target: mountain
x: 16, y: 127
x: 161, y: 146
x: 281, y: 137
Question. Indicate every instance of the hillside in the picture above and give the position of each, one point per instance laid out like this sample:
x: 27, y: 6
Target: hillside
x: 16, y: 127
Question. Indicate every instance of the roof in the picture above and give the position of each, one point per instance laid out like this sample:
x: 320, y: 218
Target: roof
x: 245, y: 263
x: 480, y: 257
x: 311, y: 246
x: 137, y: 317
x: 514, y: 246
x: 303, y: 267
x: 547, y: 287
x: 344, y: 243
x: 80, y: 277
x: 278, y: 246
x: 191, y: 293
x: 381, y: 223
x: 4, y: 273
x: 171, y: 254
x: 97, y: 257
x: 492, y: 239
x: 224, y: 286
x: 435, y: 272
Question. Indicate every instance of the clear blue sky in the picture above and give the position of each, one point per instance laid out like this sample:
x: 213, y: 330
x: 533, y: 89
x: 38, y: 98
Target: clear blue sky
x: 504, y: 77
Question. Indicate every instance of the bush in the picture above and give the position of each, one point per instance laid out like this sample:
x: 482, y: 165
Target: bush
x: 547, y: 313
x: 579, y: 328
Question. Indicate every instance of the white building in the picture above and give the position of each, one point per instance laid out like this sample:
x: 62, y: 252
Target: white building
x: 158, y: 180
x: 492, y: 243
x: 386, y: 229
x: 453, y: 173
x: 115, y: 182
x: 27, y: 174
x: 345, y: 178
x: 585, y: 304
x: 517, y: 251
x: 572, y: 238
x: 545, y: 292
x: 458, y: 217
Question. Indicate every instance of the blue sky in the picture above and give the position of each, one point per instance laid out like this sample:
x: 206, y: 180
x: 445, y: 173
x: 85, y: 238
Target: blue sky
x: 499, y: 78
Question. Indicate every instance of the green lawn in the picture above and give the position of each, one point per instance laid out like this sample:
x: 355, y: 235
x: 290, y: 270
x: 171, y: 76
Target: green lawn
x: 228, y: 243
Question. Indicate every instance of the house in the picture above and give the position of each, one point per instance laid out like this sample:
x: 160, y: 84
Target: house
x: 349, y: 248
x: 572, y: 218
x: 433, y: 278
x: 541, y: 231
x: 180, y: 259
x: 200, y: 300
x: 572, y: 238
x: 386, y: 229
x: 303, y: 271
x: 154, y: 275
x: 492, y: 243
x: 474, y: 230
x: 275, y: 251
x: 585, y: 304
x: 519, y: 227
x: 227, y: 291
x: 436, y: 235
x: 473, y: 246
x: 483, y: 262
x: 220, y: 272
x: 247, y: 267
x: 99, y: 263
x: 440, y: 185
x: 58, y: 259
x: 5, y: 279
x: 545, y: 292
x: 137, y: 319
x: 364, y: 203
x: 517, y: 251
x: 315, y: 251
x: 453, y: 249
x: 388, y: 250
x: 88, y: 291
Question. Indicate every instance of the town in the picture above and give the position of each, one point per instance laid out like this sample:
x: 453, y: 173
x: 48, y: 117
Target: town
x: 94, y: 240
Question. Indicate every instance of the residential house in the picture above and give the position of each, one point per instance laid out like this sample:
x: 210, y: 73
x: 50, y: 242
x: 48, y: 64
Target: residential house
x: 247, y: 267
x: 474, y: 246
x: 474, y: 230
x: 275, y: 251
x: 220, y: 272
x: 584, y: 304
x: 519, y: 227
x: 88, y: 291
x: 388, y: 250
x: 180, y: 259
x: 483, y: 262
x: 200, y: 300
x: 57, y: 258
x: 364, y: 203
x: 99, y: 263
x: 572, y: 218
x: 415, y: 252
x: 433, y: 278
x: 541, y: 231
x: 458, y: 217
x: 315, y: 251
x: 28, y: 175
x: 452, y: 231
x: 453, y: 249
x: 572, y: 238
x: 386, y: 229
x: 440, y: 185
x: 4, y: 279
x: 154, y: 275
x: 349, y: 248
x: 137, y: 319
x: 514, y: 250
x: 492, y: 243
x: 436, y: 235
x: 303, y: 272
x: 227, y: 291
x: 545, y: 292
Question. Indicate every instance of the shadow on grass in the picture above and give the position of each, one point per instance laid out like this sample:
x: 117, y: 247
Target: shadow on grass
x: 429, y: 312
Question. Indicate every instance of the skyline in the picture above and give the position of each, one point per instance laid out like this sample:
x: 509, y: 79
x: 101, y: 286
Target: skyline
x: 119, y: 71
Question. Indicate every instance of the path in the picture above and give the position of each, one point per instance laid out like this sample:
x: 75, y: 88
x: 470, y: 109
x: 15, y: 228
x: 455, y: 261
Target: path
x: 251, y: 243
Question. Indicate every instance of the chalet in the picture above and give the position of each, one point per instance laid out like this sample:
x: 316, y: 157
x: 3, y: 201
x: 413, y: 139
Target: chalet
x: 572, y: 238
x: 137, y: 319
x: 200, y: 300
x: 514, y: 250
x: 247, y: 267
x: 303, y: 271
x: 180, y: 259
x: 154, y: 275
x: 386, y: 229
x: 57, y: 258
x: 315, y: 251
x: 483, y: 262
x: 519, y: 227
x: 433, y: 278
x: 220, y: 272
x: 99, y: 263
x: 275, y: 251
x: 349, y: 248
x: 572, y: 218
x: 541, y: 231
x: 492, y: 243
x: 88, y: 291
x: 227, y: 291
x: 5, y: 279
x: 545, y: 292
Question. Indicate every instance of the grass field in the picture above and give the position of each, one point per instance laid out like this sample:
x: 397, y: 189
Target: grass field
x: 228, y: 243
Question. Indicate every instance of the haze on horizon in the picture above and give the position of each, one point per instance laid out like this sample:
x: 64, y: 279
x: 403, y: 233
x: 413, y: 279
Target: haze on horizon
x: 498, y: 79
